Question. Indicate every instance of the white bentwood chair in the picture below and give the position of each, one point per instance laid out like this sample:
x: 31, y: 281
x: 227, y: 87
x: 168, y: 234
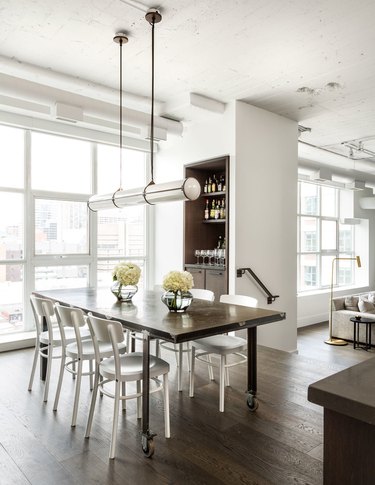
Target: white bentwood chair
x: 180, y: 349
x: 222, y: 346
x: 77, y: 352
x: 43, y: 310
x: 122, y: 369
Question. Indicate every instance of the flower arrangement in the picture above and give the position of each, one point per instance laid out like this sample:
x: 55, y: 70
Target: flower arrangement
x: 126, y: 273
x: 178, y: 281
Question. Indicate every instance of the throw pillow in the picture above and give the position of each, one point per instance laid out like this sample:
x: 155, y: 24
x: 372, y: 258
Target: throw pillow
x: 371, y: 297
x: 366, y: 306
x: 351, y: 303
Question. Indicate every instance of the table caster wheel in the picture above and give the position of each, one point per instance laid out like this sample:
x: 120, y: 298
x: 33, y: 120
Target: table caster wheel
x: 252, y: 402
x: 149, y: 448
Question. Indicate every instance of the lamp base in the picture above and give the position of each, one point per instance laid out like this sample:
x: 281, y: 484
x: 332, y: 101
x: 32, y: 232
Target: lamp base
x: 335, y: 341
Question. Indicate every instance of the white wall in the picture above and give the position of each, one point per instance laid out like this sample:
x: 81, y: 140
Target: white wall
x: 265, y: 215
x: 263, y: 157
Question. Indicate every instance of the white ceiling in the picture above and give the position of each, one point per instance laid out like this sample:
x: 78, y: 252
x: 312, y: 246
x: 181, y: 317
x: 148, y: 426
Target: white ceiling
x: 309, y: 61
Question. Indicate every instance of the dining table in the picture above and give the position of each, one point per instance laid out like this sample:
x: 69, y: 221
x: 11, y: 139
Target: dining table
x: 147, y: 314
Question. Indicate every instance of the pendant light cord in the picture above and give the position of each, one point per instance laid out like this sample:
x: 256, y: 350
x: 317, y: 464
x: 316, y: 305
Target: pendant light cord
x: 120, y: 41
x: 152, y: 98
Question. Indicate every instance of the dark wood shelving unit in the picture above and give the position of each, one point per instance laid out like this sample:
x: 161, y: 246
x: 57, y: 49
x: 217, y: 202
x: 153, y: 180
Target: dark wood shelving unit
x: 214, y: 221
x: 204, y: 234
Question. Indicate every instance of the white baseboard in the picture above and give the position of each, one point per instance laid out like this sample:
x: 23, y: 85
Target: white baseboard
x: 312, y: 319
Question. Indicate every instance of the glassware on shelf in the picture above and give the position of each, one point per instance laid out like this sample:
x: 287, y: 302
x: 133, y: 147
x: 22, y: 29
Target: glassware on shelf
x: 221, y: 257
x: 210, y: 255
x: 197, y: 254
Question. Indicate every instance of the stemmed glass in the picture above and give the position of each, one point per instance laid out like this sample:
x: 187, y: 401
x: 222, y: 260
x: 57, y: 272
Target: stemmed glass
x: 197, y: 254
x: 216, y: 256
x: 210, y: 255
x: 203, y: 254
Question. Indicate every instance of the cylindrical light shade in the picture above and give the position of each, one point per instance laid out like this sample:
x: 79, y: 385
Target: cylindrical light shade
x: 187, y: 189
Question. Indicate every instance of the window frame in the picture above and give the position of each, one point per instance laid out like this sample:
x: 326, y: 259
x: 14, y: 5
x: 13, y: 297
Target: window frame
x: 321, y: 253
x: 31, y: 261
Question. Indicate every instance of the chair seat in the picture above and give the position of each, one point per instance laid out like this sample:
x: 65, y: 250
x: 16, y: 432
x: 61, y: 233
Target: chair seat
x: 88, y: 352
x: 221, y: 344
x: 131, y: 367
x: 70, y: 335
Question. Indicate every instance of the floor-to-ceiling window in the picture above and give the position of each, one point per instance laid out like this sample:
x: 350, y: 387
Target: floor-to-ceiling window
x: 48, y: 237
x: 322, y: 236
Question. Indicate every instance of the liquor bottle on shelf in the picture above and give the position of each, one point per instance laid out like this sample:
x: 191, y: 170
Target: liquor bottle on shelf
x: 205, y: 187
x: 219, y: 242
x: 224, y: 244
x: 213, y: 184
x: 219, y: 184
x: 212, y: 211
x: 223, y: 183
x: 222, y: 209
x: 217, y: 210
x: 209, y: 185
x: 207, y: 211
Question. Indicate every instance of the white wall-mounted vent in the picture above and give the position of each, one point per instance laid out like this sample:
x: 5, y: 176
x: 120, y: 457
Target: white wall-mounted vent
x: 65, y: 112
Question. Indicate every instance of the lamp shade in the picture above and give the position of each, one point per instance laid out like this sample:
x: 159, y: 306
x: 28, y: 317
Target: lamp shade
x: 180, y: 190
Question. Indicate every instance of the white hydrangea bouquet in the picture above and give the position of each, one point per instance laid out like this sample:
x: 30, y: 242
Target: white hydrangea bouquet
x: 177, y: 285
x: 126, y: 273
x: 125, y: 277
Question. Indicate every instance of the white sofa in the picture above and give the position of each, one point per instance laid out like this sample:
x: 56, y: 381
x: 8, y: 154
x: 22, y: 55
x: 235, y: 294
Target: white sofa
x: 345, y: 307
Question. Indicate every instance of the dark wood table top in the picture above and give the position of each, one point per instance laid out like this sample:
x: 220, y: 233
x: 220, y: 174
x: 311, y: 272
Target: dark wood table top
x: 362, y: 320
x: 350, y: 392
x: 148, y: 312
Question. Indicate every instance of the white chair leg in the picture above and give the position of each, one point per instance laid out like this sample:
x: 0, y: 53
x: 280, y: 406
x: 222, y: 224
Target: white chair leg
x: 192, y: 368
x: 175, y: 354
x: 157, y: 347
x: 35, y: 360
x: 123, y: 401
x: 91, y: 374
x: 222, y: 377
x: 188, y: 355
x: 227, y: 383
x: 92, y: 405
x: 112, y: 450
x: 210, y: 369
x: 167, y: 426
x: 48, y: 373
x: 139, y: 400
x: 179, y: 368
x: 59, y: 383
x: 77, y: 393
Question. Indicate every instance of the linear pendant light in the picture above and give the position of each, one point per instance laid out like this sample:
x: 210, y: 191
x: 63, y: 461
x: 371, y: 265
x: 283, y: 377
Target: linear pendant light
x: 180, y: 190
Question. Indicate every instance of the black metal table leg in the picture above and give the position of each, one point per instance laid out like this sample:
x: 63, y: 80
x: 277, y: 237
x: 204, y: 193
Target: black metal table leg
x: 369, y: 336
x: 43, y: 361
x: 252, y: 401
x: 147, y: 435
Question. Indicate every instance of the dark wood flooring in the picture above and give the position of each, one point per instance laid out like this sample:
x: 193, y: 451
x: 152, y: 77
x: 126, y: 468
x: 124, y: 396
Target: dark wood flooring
x: 279, y: 444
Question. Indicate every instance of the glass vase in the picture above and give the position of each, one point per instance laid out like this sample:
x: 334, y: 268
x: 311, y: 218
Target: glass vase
x: 177, y: 301
x: 123, y: 292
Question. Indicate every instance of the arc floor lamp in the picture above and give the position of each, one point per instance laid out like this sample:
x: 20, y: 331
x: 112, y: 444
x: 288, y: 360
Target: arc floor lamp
x: 330, y: 340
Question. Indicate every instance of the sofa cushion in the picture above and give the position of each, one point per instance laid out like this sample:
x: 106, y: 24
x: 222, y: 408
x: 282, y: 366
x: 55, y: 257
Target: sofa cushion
x: 351, y: 303
x: 371, y: 298
x: 366, y: 306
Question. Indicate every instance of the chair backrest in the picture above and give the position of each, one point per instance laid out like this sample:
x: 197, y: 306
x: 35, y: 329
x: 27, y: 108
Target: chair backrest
x: 70, y: 317
x: 202, y: 294
x: 243, y: 300
x: 103, y: 330
x: 42, y: 310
